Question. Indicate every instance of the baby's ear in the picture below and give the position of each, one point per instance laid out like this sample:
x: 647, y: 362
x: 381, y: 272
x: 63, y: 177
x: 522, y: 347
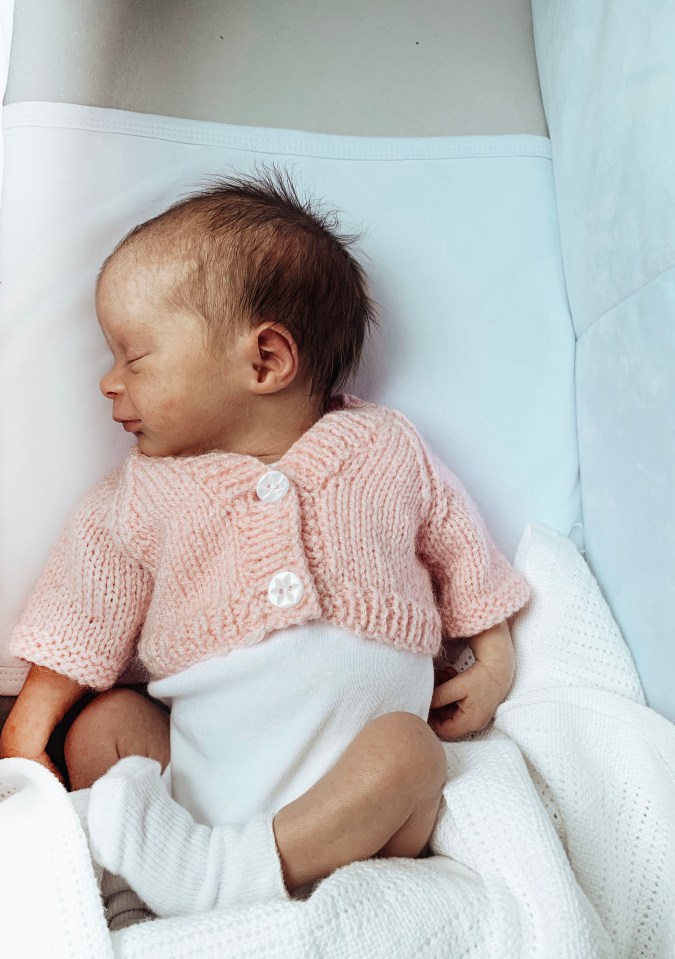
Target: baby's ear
x: 273, y: 355
x: 275, y: 338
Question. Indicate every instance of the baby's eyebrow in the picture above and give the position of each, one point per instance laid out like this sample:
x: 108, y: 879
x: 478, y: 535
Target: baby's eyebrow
x: 110, y: 341
x: 105, y: 335
x: 142, y: 331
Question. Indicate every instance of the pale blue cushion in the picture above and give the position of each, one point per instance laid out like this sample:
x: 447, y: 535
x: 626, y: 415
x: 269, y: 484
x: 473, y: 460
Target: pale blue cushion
x: 607, y: 75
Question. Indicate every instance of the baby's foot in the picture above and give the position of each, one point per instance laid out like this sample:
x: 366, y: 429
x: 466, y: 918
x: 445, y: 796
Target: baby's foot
x: 115, y: 797
x: 176, y: 865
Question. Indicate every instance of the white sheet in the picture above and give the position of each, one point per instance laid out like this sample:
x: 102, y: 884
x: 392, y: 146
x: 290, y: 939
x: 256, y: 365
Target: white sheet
x: 555, y: 836
x: 462, y: 247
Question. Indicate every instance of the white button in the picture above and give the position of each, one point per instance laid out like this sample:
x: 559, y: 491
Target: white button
x: 285, y: 589
x: 272, y: 486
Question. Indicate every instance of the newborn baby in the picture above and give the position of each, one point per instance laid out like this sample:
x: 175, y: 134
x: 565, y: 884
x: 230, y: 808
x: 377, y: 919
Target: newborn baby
x: 284, y: 559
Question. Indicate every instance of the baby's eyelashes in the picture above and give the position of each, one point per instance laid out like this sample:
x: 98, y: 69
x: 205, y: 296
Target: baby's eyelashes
x: 136, y: 359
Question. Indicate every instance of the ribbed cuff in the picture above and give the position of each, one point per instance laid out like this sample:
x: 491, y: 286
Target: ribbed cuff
x: 260, y: 873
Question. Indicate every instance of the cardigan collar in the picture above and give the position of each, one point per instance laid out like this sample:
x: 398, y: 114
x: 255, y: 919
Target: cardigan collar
x: 317, y: 453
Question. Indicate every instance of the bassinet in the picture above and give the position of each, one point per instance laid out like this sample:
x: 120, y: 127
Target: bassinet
x: 525, y: 270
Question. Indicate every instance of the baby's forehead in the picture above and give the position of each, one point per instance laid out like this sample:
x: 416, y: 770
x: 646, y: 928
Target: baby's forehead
x: 137, y: 275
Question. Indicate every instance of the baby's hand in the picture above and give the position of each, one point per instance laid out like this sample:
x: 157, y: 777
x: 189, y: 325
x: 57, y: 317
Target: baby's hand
x: 466, y: 702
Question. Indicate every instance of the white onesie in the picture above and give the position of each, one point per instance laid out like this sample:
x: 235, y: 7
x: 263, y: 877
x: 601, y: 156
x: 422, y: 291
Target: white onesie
x: 254, y: 728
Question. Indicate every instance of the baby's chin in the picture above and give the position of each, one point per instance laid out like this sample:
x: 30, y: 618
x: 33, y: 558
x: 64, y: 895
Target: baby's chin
x: 156, y: 447
x: 150, y: 447
x: 142, y: 444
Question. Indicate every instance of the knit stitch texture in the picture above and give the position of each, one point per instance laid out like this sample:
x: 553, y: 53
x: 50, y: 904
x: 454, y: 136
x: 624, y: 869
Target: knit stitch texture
x: 171, y: 558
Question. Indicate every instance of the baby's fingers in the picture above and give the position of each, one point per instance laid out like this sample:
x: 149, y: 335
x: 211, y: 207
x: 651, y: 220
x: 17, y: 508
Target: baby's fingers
x: 458, y: 707
x: 450, y: 691
x: 464, y: 717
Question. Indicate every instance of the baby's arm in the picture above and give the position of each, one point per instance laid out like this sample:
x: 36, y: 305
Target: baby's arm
x: 44, y: 700
x: 477, y: 591
x: 467, y: 701
x: 78, y: 629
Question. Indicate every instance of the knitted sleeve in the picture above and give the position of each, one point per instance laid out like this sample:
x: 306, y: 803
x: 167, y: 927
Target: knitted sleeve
x: 83, y: 616
x: 475, y: 585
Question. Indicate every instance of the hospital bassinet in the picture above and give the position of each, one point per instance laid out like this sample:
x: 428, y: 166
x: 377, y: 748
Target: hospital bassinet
x: 512, y: 166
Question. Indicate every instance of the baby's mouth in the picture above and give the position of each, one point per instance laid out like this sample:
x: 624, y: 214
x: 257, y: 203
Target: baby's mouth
x: 132, y: 426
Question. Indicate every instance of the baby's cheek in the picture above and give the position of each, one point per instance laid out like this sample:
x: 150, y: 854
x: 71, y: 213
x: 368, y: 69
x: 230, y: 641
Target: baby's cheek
x: 164, y: 411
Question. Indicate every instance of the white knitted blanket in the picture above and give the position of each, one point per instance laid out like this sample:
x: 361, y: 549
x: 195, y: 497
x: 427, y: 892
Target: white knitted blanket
x: 555, y: 838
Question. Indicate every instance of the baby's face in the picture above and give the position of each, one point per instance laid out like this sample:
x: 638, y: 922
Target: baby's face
x: 165, y: 387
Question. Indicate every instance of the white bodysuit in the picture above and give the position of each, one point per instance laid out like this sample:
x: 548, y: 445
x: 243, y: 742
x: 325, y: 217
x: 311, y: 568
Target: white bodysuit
x: 254, y: 728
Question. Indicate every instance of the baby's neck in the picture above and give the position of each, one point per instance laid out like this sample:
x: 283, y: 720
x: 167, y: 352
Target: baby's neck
x: 274, y: 429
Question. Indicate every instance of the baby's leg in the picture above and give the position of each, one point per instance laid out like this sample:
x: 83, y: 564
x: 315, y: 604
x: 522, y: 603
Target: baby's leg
x: 117, y: 723
x: 380, y: 799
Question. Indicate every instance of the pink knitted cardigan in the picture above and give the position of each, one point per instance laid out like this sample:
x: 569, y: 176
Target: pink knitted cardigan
x: 378, y: 536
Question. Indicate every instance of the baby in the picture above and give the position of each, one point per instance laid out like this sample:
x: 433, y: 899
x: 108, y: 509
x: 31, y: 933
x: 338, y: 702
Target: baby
x: 284, y: 559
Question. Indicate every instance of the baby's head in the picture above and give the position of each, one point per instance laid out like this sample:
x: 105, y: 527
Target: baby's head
x: 232, y: 318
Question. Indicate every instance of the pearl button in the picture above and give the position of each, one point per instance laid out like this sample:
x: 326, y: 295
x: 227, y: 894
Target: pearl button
x: 272, y: 486
x: 285, y: 589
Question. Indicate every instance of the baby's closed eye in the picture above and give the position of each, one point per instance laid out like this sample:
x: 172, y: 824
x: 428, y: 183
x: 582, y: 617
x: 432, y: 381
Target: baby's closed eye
x: 136, y: 359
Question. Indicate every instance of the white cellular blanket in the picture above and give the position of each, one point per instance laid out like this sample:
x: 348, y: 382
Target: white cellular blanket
x: 555, y: 836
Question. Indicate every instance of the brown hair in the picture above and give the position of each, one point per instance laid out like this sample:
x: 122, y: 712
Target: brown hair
x: 246, y: 250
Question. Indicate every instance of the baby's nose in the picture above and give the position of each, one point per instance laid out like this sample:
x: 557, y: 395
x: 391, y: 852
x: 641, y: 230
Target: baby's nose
x: 109, y: 385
